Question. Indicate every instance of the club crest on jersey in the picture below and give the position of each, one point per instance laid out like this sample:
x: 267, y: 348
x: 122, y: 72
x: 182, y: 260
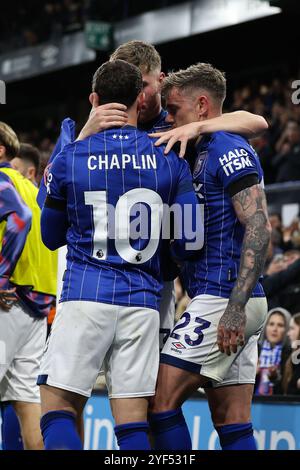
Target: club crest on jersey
x: 46, y: 173
x: 199, y: 163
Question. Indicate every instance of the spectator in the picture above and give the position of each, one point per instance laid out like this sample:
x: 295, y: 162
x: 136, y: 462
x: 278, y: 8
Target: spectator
x: 291, y: 378
x: 282, y: 281
x: 274, y: 351
x: 276, y: 221
x: 27, y: 162
x: 287, y: 162
x: 264, y: 151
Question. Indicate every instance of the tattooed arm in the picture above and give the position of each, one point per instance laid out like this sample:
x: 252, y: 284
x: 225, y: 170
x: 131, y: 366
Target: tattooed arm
x: 251, y: 210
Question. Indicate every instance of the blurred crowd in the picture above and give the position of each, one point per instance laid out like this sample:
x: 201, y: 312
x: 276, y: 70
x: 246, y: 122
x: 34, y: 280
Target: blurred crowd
x: 29, y: 23
x: 279, y: 147
x: 32, y: 22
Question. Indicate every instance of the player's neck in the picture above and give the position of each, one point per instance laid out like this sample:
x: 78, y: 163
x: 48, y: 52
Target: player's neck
x: 132, y: 117
x: 213, y: 113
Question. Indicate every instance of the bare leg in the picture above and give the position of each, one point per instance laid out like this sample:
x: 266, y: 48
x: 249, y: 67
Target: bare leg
x: 231, y: 414
x: 132, y: 428
x: 168, y: 426
x: 80, y: 426
x: 56, y: 399
x: 174, y: 386
x: 129, y: 410
x: 29, y: 415
x: 230, y: 404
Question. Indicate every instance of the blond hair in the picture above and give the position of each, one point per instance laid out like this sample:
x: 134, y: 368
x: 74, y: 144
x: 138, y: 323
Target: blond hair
x: 139, y: 53
x: 9, y: 140
x: 198, y: 76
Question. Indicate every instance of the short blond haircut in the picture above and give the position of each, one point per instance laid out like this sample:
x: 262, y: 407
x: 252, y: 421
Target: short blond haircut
x: 139, y: 53
x: 9, y: 140
x: 199, y: 76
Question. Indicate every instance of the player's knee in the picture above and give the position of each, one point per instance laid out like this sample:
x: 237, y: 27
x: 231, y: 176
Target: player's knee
x: 125, y: 417
x: 234, y: 413
x: 33, y: 440
x: 163, y: 402
x: 131, y: 410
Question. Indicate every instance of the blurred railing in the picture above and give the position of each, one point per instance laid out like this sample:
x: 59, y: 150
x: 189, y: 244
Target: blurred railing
x: 284, y: 198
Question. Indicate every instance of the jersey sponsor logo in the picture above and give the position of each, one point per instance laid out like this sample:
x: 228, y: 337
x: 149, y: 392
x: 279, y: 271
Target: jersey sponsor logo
x: 179, y: 345
x: 49, y: 180
x: 198, y: 188
x: 235, y: 160
x: 199, y: 163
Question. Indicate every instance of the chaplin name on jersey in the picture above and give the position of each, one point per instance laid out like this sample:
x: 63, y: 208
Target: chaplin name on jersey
x: 121, y: 162
x: 235, y: 160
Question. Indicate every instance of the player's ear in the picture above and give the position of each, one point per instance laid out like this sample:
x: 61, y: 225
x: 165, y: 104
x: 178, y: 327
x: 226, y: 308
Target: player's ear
x: 140, y: 100
x: 94, y: 99
x: 202, y: 105
x: 2, y: 151
x: 162, y: 76
x: 31, y: 172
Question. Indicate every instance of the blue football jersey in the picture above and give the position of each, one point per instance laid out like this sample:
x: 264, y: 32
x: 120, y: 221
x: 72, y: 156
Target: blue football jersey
x: 67, y: 135
x: 169, y: 268
x: 222, y: 158
x: 158, y: 124
x: 113, y: 182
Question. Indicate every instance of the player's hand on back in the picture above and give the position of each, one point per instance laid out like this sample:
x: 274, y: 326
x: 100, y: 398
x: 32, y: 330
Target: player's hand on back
x: 180, y: 134
x: 231, y: 329
x: 103, y: 117
x: 7, y: 299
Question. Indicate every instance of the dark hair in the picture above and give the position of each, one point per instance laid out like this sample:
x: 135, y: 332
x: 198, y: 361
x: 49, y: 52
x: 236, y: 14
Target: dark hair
x: 31, y: 154
x: 117, y: 81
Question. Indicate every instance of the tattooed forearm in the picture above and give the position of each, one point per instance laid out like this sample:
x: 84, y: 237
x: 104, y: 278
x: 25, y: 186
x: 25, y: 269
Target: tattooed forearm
x: 251, y: 209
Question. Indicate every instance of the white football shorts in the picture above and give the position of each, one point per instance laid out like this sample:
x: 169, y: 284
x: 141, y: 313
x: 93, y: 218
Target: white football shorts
x: 192, y: 344
x: 166, y: 315
x: 22, y: 341
x: 85, y: 335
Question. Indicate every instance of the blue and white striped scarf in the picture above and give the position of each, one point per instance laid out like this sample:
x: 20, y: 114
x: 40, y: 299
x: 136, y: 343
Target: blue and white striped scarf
x: 270, y: 356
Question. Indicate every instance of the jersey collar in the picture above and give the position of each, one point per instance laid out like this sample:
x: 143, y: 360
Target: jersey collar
x: 147, y: 126
x: 129, y: 127
x: 5, y: 165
